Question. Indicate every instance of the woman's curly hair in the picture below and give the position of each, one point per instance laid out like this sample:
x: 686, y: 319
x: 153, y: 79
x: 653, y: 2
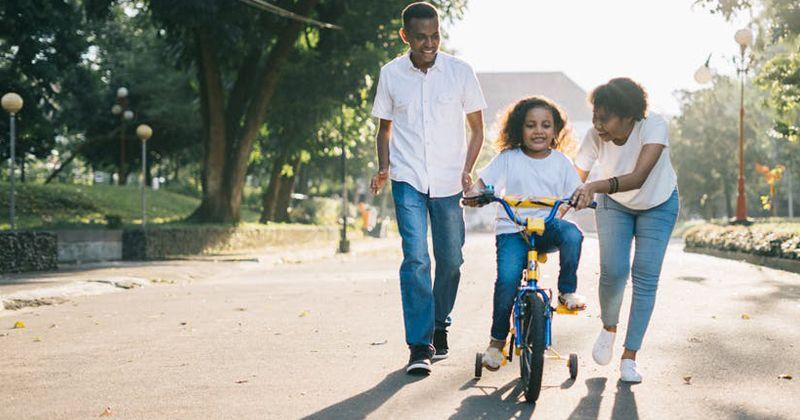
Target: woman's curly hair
x: 514, y: 120
x: 621, y: 97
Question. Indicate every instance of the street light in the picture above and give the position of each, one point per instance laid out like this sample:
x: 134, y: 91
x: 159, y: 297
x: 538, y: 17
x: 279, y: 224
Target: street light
x: 144, y: 132
x: 12, y: 103
x: 743, y: 37
x: 704, y: 74
x: 121, y: 110
x: 344, y: 244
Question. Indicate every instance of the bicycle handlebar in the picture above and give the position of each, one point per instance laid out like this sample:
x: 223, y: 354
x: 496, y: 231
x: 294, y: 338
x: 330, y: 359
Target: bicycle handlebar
x: 488, y: 196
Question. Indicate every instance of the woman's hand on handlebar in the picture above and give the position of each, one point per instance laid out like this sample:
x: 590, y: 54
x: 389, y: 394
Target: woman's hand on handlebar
x: 583, y: 196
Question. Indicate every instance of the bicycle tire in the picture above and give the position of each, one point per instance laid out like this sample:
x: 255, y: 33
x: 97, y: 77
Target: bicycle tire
x: 532, y: 351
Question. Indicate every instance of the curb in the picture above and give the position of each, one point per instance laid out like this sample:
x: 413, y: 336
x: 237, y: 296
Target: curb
x: 762, y: 260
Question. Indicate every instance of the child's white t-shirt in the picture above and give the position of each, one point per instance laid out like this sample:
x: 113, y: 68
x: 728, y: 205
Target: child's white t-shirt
x: 613, y: 160
x: 512, y: 172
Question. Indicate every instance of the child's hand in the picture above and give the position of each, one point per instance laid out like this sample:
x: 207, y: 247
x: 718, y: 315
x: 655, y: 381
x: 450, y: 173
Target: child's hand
x: 563, y: 210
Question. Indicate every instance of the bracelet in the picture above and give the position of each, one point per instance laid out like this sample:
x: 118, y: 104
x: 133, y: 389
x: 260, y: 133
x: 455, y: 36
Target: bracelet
x: 613, y: 185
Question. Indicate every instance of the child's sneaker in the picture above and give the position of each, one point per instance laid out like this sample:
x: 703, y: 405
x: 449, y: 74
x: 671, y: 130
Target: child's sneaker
x: 628, y: 372
x: 493, y: 358
x: 572, y: 301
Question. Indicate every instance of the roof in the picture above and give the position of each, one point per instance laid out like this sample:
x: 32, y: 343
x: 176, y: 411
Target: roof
x: 504, y: 89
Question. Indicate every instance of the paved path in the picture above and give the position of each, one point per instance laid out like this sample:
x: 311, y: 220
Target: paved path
x: 323, y: 338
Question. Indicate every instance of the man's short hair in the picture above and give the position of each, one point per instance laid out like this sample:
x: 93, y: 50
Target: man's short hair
x: 419, y: 10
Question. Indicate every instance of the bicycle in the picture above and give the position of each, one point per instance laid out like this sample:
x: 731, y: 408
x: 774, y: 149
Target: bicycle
x: 531, y: 334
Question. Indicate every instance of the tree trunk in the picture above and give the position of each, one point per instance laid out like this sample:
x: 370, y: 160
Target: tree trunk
x: 269, y: 198
x: 726, y: 188
x: 227, y: 157
x: 285, y: 192
x: 60, y: 168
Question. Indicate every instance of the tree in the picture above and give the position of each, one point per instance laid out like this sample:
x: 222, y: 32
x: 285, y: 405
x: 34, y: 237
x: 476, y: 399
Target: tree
x: 41, y: 43
x: 704, y: 147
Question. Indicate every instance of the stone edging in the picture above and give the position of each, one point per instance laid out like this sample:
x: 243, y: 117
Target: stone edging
x: 763, y: 260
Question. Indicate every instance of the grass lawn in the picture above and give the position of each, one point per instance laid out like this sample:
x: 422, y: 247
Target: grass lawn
x: 56, y: 206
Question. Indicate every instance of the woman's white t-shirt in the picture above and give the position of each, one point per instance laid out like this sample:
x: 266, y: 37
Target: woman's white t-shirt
x: 613, y: 160
x: 512, y: 172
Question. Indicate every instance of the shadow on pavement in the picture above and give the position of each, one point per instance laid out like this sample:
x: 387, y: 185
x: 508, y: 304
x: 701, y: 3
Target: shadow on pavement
x: 492, y: 404
x: 360, y: 406
x: 589, y: 406
x: 624, y: 403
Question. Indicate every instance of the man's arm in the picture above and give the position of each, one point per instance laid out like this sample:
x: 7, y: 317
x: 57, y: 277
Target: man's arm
x: 475, y: 122
x: 382, y: 142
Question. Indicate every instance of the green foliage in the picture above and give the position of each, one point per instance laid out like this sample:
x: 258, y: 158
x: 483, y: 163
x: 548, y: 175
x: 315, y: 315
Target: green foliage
x: 780, y: 240
x: 61, y: 205
x: 704, y: 148
x: 316, y: 211
x: 41, y: 43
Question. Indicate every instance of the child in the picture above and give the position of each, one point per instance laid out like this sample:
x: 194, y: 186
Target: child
x: 529, y: 164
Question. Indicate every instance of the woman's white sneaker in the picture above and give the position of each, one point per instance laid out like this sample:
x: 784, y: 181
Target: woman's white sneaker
x: 628, y: 372
x: 603, y: 349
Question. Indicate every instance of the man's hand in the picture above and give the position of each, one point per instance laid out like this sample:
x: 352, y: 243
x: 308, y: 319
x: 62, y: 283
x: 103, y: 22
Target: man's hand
x: 466, y: 181
x: 378, y: 181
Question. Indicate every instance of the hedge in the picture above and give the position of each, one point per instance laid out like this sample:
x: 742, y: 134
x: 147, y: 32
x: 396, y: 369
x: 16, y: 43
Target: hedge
x: 772, y: 240
x: 169, y: 242
x: 28, y: 251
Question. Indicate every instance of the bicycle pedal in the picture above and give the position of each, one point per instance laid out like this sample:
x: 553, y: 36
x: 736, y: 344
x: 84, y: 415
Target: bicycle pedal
x: 563, y: 310
x: 517, y: 351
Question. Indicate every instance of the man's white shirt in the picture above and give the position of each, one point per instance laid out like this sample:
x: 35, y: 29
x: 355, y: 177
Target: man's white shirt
x: 428, y: 146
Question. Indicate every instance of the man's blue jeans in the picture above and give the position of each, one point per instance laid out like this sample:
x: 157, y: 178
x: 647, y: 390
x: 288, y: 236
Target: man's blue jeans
x: 426, y: 307
x: 512, y: 258
x: 617, y: 227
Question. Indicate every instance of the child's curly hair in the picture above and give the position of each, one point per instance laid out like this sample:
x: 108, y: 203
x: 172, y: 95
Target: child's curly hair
x: 514, y: 120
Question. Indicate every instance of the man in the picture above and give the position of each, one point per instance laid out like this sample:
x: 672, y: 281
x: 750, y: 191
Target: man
x: 421, y: 101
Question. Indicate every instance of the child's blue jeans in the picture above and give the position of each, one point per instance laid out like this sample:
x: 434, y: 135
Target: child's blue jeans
x: 512, y: 257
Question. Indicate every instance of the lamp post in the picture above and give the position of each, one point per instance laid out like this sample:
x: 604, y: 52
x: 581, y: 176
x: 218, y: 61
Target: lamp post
x: 121, y: 109
x: 704, y: 74
x: 144, y: 132
x: 12, y: 103
x: 344, y: 244
x: 743, y: 37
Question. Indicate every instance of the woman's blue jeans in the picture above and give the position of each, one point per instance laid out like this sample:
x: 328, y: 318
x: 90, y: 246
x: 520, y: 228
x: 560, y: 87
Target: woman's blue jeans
x: 650, y: 230
x: 512, y: 258
x: 426, y: 307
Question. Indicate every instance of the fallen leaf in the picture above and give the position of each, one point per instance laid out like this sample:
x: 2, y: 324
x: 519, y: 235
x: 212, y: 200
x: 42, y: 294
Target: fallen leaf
x: 241, y: 309
x: 18, y: 325
x: 107, y: 412
x: 37, y: 340
x: 242, y: 381
x: 52, y: 325
x: 745, y: 316
x: 379, y: 343
x: 687, y: 380
x: 785, y: 376
x: 183, y: 323
x: 304, y: 314
x: 695, y: 340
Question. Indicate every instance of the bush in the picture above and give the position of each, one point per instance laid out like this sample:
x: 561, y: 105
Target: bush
x: 773, y: 240
x: 316, y: 211
x: 28, y: 251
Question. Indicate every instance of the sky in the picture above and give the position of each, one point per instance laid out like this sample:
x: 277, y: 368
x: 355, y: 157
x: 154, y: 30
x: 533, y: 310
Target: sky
x: 659, y: 43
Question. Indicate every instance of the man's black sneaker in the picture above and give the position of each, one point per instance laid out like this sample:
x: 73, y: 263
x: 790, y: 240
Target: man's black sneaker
x: 420, y: 361
x: 440, y: 344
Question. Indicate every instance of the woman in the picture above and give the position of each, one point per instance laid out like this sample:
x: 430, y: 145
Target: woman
x: 638, y: 199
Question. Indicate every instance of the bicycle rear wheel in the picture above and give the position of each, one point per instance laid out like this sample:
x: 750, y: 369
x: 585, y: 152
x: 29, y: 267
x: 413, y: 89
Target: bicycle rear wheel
x: 532, y: 348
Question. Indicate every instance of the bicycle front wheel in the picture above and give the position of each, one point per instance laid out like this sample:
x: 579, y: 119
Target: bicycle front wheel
x: 532, y: 348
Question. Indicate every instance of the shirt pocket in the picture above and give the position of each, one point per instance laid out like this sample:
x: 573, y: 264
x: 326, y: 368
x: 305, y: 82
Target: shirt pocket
x: 404, y: 110
x: 448, y: 106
